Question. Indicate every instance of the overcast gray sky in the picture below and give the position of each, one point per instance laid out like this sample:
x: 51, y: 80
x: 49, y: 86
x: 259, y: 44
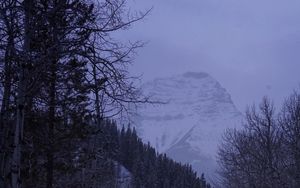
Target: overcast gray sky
x: 251, y: 47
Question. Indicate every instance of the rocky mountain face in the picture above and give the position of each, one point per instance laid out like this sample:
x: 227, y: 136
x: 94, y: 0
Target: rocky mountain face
x: 195, y: 111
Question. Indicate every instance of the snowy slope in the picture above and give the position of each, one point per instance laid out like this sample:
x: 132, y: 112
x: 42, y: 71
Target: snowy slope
x: 189, y: 125
x: 124, y: 177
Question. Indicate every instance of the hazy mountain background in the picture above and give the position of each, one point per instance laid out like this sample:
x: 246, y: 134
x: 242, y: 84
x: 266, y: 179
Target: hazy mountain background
x: 189, y: 126
x: 250, y: 47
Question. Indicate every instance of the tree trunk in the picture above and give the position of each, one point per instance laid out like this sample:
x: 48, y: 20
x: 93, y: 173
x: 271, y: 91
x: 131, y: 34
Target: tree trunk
x: 5, y: 127
x: 18, y: 135
x: 53, y: 63
x: 96, y: 93
x: 16, y: 159
x: 52, y: 104
x: 21, y: 93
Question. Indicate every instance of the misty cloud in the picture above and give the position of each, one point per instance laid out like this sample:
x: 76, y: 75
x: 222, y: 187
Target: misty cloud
x: 245, y: 45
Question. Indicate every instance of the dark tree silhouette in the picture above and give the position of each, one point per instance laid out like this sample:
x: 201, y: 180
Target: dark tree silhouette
x: 265, y: 152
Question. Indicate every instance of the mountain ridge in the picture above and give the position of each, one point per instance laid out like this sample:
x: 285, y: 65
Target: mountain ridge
x: 188, y: 127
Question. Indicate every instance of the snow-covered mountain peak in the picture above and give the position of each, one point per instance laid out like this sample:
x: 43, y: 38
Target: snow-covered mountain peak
x: 196, y: 75
x: 197, y: 92
x: 188, y: 125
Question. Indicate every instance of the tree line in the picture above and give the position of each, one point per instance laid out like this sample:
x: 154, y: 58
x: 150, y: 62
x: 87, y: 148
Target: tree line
x: 266, y: 152
x: 148, y: 168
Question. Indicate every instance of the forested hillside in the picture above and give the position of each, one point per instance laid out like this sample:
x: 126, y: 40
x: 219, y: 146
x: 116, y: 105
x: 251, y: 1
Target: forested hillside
x: 148, y: 168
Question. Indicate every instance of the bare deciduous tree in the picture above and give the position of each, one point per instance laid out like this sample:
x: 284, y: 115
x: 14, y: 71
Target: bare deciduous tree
x: 290, y: 123
x: 253, y: 157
